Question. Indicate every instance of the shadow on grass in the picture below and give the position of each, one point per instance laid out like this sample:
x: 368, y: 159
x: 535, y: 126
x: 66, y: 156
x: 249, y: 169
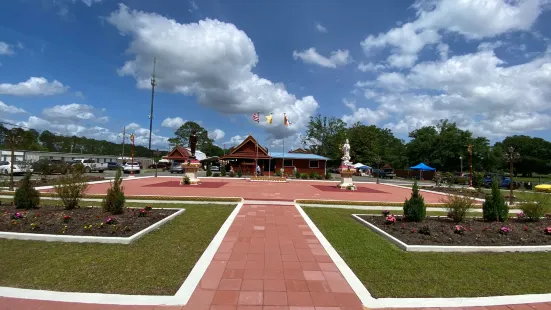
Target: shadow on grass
x: 387, y: 271
x: 156, y: 264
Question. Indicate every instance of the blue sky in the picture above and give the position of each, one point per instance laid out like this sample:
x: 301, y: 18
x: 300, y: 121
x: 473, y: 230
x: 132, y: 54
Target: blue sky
x: 82, y: 66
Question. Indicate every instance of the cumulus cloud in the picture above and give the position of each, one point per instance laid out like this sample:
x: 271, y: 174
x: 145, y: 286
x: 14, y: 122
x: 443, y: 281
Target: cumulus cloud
x: 472, y: 19
x: 173, y: 123
x: 321, y: 28
x: 217, y: 134
x: 73, y: 111
x: 311, y: 56
x: 235, y: 140
x: 5, y: 48
x: 34, y: 86
x: 211, y: 60
x: 10, y: 109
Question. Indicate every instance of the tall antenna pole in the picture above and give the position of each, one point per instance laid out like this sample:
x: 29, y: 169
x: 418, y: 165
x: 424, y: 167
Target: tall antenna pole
x: 153, y: 83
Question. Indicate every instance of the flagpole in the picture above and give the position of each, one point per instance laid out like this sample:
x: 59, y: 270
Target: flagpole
x: 132, y: 168
x: 256, y: 160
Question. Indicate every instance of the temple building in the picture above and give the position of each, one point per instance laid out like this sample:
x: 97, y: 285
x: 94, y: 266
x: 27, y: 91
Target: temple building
x: 246, y: 154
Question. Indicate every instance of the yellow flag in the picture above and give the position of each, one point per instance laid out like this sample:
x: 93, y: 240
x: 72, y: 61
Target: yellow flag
x: 269, y: 118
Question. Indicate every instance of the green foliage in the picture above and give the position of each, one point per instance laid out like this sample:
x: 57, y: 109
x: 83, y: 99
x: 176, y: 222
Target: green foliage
x: 458, y: 207
x: 495, y: 208
x: 478, y: 179
x: 297, y: 174
x: 26, y: 196
x: 216, y: 174
x: 328, y: 176
x: 535, y: 154
x: 187, y: 181
x: 277, y: 173
x: 370, y: 144
x: 304, y: 176
x: 414, y: 207
x: 71, y: 187
x: 239, y: 172
x: 313, y: 175
x: 534, y: 205
x: 461, y: 180
x: 209, y: 171
x: 223, y: 170
x: 448, y: 179
x: 114, y: 200
x: 326, y: 135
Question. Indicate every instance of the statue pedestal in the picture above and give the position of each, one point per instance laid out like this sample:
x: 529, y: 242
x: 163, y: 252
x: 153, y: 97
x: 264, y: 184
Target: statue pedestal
x: 346, y: 179
x: 190, y: 172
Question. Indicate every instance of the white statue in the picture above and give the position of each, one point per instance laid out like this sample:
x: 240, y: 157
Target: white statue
x: 346, y: 154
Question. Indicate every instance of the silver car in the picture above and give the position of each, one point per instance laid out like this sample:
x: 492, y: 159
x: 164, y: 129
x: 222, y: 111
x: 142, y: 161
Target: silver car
x: 176, y: 167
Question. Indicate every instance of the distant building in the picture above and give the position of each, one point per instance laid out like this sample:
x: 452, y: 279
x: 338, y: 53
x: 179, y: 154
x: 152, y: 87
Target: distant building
x: 249, y: 151
x: 180, y: 153
x: 33, y: 156
x: 300, y: 151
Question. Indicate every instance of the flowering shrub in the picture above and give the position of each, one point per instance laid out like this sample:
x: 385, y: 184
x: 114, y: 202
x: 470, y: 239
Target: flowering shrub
x: 88, y: 227
x: 63, y: 229
x: 413, y: 230
x: 17, y: 216
x: 101, y: 225
x: 521, y: 215
x: 386, y: 212
x: 66, y: 218
x: 504, y: 230
x: 34, y: 226
x: 547, y: 230
x: 458, y: 229
x: 425, y: 230
x: 525, y: 228
x: 404, y: 226
x: 142, y: 213
x: 111, y: 221
x: 148, y: 208
x: 390, y: 219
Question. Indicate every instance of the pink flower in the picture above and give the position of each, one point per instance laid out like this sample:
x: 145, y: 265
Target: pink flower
x: 390, y: 219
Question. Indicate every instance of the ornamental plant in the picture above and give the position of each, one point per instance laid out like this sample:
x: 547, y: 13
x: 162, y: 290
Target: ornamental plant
x: 547, y: 230
x: 385, y: 212
x: 494, y: 207
x: 34, y: 226
x: 521, y: 215
x: 414, y: 208
x: 425, y: 230
x: 209, y: 171
x: 297, y: 174
x: 223, y: 170
x: 71, y: 187
x: 66, y: 218
x: 239, y: 172
x: 504, y: 230
x: 390, y: 219
x: 534, y: 205
x: 17, y: 216
x: 142, y: 213
x: 458, y: 207
x: 458, y: 229
x: 26, y: 196
x: 187, y: 181
x: 148, y: 208
x: 115, y: 199
x: 111, y: 221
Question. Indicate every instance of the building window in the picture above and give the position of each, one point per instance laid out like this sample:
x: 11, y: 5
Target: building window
x: 314, y: 164
x: 287, y: 163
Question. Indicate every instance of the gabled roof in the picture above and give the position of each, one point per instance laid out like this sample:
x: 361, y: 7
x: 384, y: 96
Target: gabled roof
x: 236, y: 152
x: 178, y: 152
x: 300, y: 151
x: 297, y: 156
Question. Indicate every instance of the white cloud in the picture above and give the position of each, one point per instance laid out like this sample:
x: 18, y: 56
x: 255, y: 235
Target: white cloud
x: 193, y: 6
x: 472, y: 19
x: 217, y: 134
x: 5, y: 48
x: 475, y: 90
x: 321, y: 28
x: 34, y: 86
x: 173, y: 123
x: 211, y: 60
x: 73, y: 111
x: 90, y: 2
x: 10, y: 109
x: 370, y: 67
x: 234, y: 141
x: 338, y: 58
x: 490, y: 46
x: 132, y: 126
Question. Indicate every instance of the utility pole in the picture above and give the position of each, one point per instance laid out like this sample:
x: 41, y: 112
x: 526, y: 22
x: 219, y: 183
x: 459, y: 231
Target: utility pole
x: 153, y: 83
x: 123, y: 140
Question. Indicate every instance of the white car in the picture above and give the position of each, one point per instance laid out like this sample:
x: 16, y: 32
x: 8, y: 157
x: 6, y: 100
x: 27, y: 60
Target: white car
x: 18, y: 167
x: 131, y: 167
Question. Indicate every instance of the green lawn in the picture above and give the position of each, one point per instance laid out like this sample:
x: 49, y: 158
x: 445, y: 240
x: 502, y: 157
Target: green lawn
x: 156, y: 264
x: 387, y: 271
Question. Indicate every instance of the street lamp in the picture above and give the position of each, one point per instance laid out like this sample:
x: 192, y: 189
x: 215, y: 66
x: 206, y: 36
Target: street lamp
x: 461, y: 159
x: 470, y: 149
x: 511, y: 157
x: 378, y: 159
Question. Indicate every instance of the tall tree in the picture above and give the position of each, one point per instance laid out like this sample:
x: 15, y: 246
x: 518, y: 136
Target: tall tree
x: 535, y: 153
x: 183, y: 133
x: 369, y: 143
x: 325, y: 136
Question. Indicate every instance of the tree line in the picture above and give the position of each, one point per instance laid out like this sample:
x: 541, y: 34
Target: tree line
x: 440, y: 146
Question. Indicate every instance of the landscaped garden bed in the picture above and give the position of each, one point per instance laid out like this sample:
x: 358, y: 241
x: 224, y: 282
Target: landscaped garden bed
x: 84, y: 221
x: 470, y: 232
x: 476, y: 193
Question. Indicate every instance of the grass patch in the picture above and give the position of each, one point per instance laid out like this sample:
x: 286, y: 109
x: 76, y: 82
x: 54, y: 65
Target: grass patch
x: 387, y: 271
x: 156, y: 264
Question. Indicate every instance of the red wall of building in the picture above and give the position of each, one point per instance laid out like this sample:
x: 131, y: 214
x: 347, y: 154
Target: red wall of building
x: 302, y: 166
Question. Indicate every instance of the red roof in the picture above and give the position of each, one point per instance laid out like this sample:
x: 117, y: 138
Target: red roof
x: 178, y: 153
x: 249, y: 149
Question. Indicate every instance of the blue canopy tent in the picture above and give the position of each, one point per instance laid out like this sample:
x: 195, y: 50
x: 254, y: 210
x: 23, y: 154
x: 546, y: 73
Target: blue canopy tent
x: 422, y: 167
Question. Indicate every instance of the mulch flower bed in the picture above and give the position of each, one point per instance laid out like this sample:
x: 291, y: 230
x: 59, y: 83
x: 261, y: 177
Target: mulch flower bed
x: 85, y: 221
x: 471, y: 232
x: 460, y: 191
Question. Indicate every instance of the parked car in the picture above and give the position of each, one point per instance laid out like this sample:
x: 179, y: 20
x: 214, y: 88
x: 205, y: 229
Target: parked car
x: 504, y: 182
x: 176, y: 167
x: 545, y: 187
x: 113, y: 165
x: 19, y: 167
x: 159, y: 165
x: 50, y: 166
x: 90, y: 165
x: 383, y: 174
x: 131, y: 167
x: 215, y: 168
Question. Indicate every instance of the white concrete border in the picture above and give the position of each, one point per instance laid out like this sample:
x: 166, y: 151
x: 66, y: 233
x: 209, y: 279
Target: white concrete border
x: 92, y: 239
x: 98, y: 182
x: 150, y: 201
x: 450, y: 248
x: 370, y: 302
x: 181, y: 298
x: 184, y: 292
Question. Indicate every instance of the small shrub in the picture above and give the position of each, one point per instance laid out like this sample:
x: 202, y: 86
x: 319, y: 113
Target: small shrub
x: 313, y: 175
x: 425, y: 230
x: 297, y: 174
x: 494, y: 207
x: 111, y: 221
x: 114, y: 200
x: 239, y: 172
x: 458, y: 207
x: 478, y: 179
x: 187, y: 181
x: 448, y: 179
x: 328, y: 176
x: 390, y: 219
x: 223, y: 171
x: 209, y: 171
x: 504, y: 230
x: 232, y: 174
x: 277, y: 173
x: 304, y: 176
x: 461, y: 180
x: 71, y: 187
x: 142, y: 213
x: 414, y: 208
x: 458, y: 229
x: 26, y: 196
x: 547, y: 230
x: 534, y: 205
x: 216, y: 175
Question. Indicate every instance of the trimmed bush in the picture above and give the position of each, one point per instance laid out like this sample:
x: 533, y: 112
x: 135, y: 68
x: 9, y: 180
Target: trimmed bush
x: 26, y: 196
x: 304, y: 176
x: 313, y: 175
x: 114, y: 200
x: 297, y: 174
x: 239, y: 172
x: 414, y: 207
x: 494, y: 207
x: 535, y: 205
x: 223, y: 171
x: 461, y: 180
x: 458, y: 207
x: 70, y: 188
x: 478, y: 179
x: 328, y: 176
x: 216, y: 174
x: 209, y: 171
